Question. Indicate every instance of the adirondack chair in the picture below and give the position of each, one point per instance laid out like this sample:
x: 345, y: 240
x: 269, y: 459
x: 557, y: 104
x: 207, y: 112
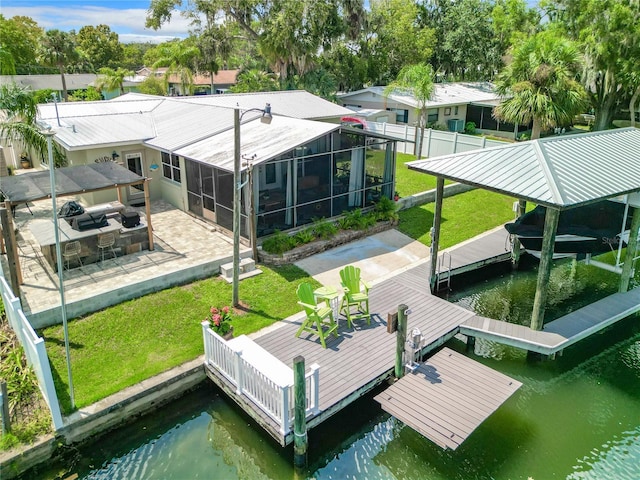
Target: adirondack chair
x: 356, y: 295
x: 319, y: 319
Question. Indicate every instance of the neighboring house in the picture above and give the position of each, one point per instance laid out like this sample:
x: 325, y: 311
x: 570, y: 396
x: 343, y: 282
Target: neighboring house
x: 452, y: 106
x: 302, y: 168
x: 74, y: 81
x: 201, y: 82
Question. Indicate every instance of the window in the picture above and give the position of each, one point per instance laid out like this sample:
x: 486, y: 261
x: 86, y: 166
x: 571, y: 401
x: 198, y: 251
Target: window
x: 432, y: 116
x: 447, y: 111
x: 455, y: 110
x: 402, y: 116
x: 171, y: 167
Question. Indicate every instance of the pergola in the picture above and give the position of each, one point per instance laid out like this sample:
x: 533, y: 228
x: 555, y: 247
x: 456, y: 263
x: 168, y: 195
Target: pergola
x: 560, y: 172
x: 33, y: 186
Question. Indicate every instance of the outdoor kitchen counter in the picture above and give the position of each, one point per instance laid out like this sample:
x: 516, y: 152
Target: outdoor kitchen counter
x: 128, y: 240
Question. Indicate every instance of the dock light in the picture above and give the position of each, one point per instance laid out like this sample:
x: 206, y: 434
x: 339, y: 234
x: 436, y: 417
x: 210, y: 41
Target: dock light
x: 415, y: 341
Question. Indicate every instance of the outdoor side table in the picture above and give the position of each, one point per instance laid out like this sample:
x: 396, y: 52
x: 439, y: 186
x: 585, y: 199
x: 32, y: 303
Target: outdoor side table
x: 330, y: 295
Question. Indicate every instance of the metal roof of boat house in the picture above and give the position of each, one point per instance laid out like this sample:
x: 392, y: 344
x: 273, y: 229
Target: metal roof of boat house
x: 561, y: 172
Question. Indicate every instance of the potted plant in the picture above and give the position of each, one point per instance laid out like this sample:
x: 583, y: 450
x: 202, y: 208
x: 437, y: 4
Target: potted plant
x: 396, y: 196
x: 220, y: 321
x: 25, y: 162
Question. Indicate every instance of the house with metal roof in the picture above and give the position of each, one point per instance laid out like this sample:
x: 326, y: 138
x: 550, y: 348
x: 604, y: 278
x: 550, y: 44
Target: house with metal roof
x: 451, y: 107
x: 74, y: 81
x: 302, y: 165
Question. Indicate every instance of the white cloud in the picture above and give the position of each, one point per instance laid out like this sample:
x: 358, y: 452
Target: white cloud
x: 127, y: 23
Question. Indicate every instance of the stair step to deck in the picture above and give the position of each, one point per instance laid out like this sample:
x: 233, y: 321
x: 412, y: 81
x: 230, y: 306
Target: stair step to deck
x: 247, y: 269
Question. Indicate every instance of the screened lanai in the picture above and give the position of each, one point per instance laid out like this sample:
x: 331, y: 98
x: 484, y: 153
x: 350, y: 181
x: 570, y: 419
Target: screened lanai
x: 559, y: 172
x: 295, y: 171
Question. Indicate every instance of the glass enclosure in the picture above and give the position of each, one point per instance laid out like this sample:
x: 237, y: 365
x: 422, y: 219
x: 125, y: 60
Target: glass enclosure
x: 323, y: 178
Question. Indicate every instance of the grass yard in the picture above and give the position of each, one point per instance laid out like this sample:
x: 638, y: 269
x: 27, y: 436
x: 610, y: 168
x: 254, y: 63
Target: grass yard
x: 410, y: 182
x: 127, y: 343
x: 463, y: 216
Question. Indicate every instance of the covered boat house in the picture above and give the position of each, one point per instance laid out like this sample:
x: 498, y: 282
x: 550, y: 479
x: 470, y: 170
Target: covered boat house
x: 560, y: 173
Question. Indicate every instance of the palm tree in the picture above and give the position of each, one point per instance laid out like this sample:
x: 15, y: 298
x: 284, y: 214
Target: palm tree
x: 417, y: 81
x: 539, y: 84
x: 111, y: 79
x: 19, y: 123
x: 59, y: 49
x: 255, y: 80
x: 179, y: 57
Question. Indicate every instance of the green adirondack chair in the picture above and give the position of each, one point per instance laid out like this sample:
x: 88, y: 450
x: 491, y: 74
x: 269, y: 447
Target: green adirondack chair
x: 319, y: 319
x: 356, y: 295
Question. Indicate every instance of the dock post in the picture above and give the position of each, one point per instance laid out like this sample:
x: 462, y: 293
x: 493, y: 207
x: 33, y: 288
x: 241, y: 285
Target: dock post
x: 627, y: 266
x: 517, y: 248
x: 544, y: 270
x: 435, y: 235
x: 300, y: 439
x: 401, y: 335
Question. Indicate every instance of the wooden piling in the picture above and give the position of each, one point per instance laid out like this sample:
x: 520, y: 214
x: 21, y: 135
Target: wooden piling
x: 6, y: 421
x: 435, y: 234
x: 401, y: 335
x: 627, y: 267
x: 544, y: 270
x: 517, y: 248
x: 300, y: 439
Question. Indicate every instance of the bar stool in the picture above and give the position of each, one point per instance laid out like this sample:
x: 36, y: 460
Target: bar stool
x: 106, y: 241
x: 72, y: 249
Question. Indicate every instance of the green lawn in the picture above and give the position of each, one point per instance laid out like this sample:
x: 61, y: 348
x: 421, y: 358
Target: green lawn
x: 124, y: 344
x: 410, y: 182
x: 463, y: 216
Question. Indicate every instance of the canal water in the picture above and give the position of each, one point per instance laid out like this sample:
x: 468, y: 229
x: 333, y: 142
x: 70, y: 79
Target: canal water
x: 576, y: 417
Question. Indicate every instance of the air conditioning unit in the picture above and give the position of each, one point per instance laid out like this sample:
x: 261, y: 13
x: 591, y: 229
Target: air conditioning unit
x: 455, y: 125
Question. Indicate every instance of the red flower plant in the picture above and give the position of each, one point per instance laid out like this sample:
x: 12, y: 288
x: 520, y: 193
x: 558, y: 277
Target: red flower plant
x: 219, y: 319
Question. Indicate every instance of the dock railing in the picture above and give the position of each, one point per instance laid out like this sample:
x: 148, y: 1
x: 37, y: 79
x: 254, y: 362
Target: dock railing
x: 268, y: 384
x: 34, y: 349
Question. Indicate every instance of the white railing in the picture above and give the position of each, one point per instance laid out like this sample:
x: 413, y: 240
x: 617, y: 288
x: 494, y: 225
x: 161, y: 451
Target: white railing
x: 435, y: 142
x: 259, y: 376
x: 34, y: 349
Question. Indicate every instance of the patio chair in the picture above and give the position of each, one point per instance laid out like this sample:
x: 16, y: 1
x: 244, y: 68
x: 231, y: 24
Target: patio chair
x: 106, y: 241
x: 356, y: 295
x: 319, y: 316
x: 72, y: 249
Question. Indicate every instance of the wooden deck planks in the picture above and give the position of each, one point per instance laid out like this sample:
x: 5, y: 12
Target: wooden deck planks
x: 364, y: 355
x: 447, y: 397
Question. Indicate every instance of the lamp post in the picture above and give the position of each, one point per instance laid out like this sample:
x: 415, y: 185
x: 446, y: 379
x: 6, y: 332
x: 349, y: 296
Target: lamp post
x: 237, y: 191
x: 56, y: 230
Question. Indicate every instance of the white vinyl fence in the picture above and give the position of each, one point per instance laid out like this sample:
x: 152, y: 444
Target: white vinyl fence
x: 261, y: 381
x: 436, y: 142
x: 34, y: 349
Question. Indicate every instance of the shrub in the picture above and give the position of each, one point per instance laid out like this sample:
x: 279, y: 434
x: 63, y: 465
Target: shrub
x: 386, y: 209
x: 278, y: 243
x: 305, y: 236
x: 470, y: 128
x: 323, y: 228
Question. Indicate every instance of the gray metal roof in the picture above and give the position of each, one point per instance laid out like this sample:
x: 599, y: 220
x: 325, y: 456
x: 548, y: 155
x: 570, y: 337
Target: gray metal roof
x: 34, y: 186
x: 178, y: 124
x: 82, y: 132
x: 288, y: 103
x: 74, y: 81
x: 444, y: 94
x: 561, y: 171
x: 265, y: 141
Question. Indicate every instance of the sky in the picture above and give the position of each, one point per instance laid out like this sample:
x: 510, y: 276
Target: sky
x: 125, y: 17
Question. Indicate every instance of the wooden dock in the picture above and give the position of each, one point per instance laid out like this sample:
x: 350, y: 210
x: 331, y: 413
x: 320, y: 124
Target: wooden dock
x: 487, y: 249
x: 363, y: 356
x: 561, y: 333
x: 447, y: 397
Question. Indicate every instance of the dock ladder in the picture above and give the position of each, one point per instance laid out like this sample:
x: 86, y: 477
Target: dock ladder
x: 443, y: 272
